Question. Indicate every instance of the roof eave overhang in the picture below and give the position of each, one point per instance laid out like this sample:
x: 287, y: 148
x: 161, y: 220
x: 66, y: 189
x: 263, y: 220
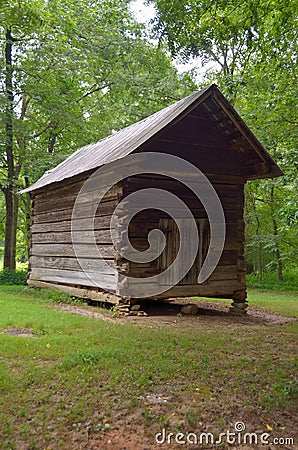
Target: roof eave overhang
x: 272, y: 170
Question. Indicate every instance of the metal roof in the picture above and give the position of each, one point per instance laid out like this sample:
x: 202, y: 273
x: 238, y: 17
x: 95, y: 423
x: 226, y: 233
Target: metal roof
x: 125, y: 141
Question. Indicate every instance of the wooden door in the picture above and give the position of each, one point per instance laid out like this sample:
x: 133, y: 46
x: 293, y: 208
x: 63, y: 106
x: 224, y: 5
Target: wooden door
x: 170, y: 229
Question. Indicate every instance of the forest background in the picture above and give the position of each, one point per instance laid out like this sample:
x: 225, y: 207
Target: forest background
x: 74, y: 71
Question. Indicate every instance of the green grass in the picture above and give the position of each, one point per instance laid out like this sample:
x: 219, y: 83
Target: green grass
x: 79, y: 373
x: 285, y: 303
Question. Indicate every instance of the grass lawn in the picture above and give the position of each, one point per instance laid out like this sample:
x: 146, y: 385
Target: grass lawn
x: 78, y: 382
x: 285, y: 303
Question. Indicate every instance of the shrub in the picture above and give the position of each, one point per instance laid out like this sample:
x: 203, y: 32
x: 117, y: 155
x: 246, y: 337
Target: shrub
x: 270, y: 282
x: 13, y: 277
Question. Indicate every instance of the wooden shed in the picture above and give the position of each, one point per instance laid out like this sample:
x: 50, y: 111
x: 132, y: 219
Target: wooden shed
x: 203, y: 129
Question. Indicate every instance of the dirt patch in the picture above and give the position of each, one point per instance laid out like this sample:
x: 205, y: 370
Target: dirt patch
x: 129, y: 434
x: 88, y: 311
x: 120, y: 438
x: 22, y: 332
x: 169, y: 312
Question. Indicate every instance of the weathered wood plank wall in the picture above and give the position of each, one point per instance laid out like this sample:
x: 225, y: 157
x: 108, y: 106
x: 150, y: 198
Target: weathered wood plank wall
x: 52, y: 256
x: 228, y: 277
x: 53, y: 260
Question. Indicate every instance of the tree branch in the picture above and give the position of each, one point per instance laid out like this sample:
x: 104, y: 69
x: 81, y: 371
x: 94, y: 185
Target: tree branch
x: 292, y: 122
x: 91, y: 91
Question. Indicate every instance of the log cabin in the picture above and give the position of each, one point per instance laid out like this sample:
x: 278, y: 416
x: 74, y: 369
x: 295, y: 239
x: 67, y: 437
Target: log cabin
x: 202, y: 129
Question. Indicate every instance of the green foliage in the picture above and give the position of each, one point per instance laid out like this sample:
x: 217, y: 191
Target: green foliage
x: 23, y: 14
x: 267, y: 102
x: 13, y: 277
x: 269, y: 281
x: 87, y: 70
x: 81, y: 70
x: 252, y: 48
x: 225, y: 32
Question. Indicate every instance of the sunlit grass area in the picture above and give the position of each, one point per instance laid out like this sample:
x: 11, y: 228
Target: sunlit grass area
x: 74, y: 373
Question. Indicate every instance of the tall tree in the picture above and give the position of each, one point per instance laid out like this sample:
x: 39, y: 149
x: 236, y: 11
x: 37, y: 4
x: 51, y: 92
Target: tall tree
x: 73, y: 71
x: 253, y: 48
x: 229, y: 34
x: 8, y: 189
x: 14, y: 21
x: 267, y: 98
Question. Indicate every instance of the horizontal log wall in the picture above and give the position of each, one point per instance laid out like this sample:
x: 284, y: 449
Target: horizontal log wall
x: 79, y: 277
x: 229, y: 275
x: 87, y: 293
x: 53, y: 258
x: 216, y: 289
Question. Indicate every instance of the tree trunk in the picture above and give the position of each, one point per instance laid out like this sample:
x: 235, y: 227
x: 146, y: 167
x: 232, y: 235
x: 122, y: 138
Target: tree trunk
x: 277, y: 252
x: 260, y: 247
x: 27, y: 211
x: 11, y: 200
x: 260, y: 253
x: 8, y: 227
x: 11, y: 219
x: 275, y: 233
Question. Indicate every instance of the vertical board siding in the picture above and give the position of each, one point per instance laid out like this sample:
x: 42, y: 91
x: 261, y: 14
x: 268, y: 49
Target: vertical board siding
x: 170, y: 229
